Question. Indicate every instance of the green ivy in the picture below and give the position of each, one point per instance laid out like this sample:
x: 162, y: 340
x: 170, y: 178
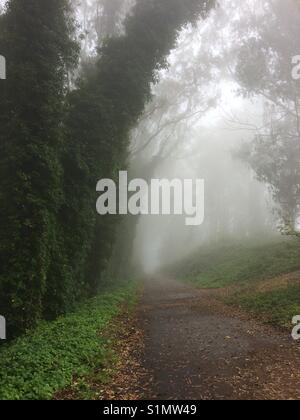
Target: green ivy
x: 45, y: 361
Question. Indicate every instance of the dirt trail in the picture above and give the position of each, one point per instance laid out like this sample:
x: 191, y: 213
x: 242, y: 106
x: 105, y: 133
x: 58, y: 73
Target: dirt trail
x: 196, y: 348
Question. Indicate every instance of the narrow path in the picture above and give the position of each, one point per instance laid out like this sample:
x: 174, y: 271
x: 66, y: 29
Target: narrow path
x: 196, y: 348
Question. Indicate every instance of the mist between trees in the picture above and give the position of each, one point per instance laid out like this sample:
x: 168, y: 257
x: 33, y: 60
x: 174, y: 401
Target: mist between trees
x: 163, y: 89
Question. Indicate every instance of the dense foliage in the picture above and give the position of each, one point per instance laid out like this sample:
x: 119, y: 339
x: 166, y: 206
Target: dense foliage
x: 36, y: 39
x: 56, y: 146
x: 45, y: 361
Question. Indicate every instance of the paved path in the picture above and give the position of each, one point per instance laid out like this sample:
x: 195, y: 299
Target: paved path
x: 196, y: 348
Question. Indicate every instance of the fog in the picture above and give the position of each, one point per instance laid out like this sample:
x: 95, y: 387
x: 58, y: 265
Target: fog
x: 150, y: 201
x: 237, y: 206
x: 226, y: 99
x: 195, y: 126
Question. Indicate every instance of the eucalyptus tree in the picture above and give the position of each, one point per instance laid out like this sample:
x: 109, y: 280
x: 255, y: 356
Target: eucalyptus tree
x: 270, y: 40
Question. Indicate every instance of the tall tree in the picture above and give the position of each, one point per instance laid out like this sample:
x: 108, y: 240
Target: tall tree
x: 269, y: 40
x: 37, y: 41
x: 101, y: 19
x: 103, y: 110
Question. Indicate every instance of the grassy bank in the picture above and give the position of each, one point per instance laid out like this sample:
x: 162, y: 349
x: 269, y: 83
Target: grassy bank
x: 46, y: 360
x: 241, y: 264
x: 255, y: 276
x: 277, y: 307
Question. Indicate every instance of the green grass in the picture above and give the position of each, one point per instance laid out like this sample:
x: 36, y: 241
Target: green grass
x: 240, y: 264
x: 46, y: 360
x: 277, y: 307
x: 242, y: 268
